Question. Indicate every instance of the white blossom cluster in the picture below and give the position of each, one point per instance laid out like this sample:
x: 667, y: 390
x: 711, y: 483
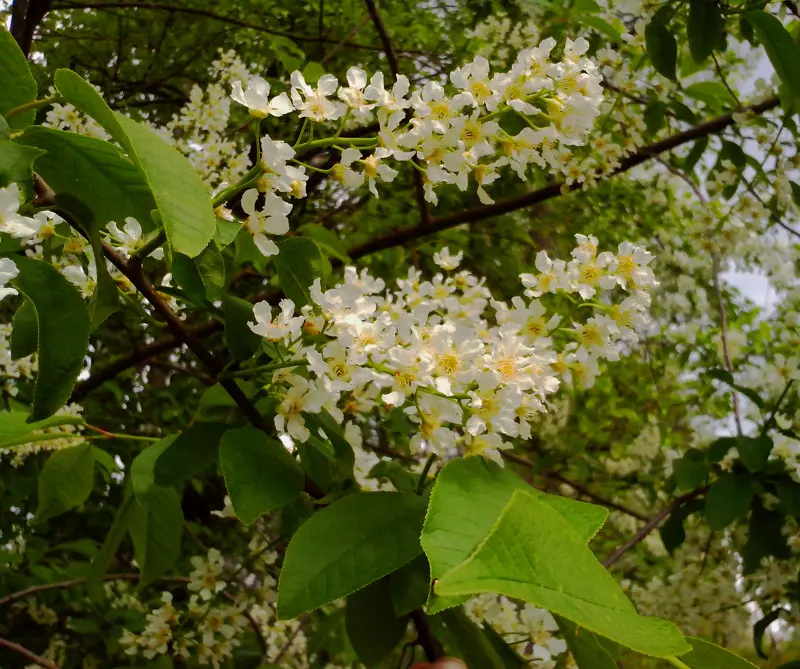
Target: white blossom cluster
x: 449, y: 135
x: 469, y: 371
x: 531, y: 631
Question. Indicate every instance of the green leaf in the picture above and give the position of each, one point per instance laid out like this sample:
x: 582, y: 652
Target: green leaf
x: 470, y: 642
x: 711, y: 93
x: 531, y: 554
x: 25, y: 332
x: 728, y: 500
x: 705, y: 655
x: 765, y: 537
x: 63, y: 325
x: 116, y: 534
x: 783, y: 52
x: 410, y: 585
x: 98, y: 176
x: 695, y: 153
x: 660, y: 43
x: 16, y: 82
x: 761, y: 627
x: 654, y: 116
x: 691, y: 470
x: 788, y: 491
x: 180, y: 196
x: 510, y: 659
x: 754, y: 451
x: 343, y: 452
x: 156, y: 527
x: 706, y: 29
x: 327, y: 240
x: 298, y: 263
x: 726, y: 377
x: 672, y: 531
x: 586, y: 648
x: 395, y: 473
x: 467, y: 499
x: 142, y: 467
x: 602, y: 26
x: 16, y: 166
x: 259, y: 472
x: 195, y: 449
x: 242, y: 342
x: 372, y: 627
x: 348, y: 545
x: 66, y: 481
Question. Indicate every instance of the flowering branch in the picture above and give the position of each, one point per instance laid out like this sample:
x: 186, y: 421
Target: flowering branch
x: 478, y: 214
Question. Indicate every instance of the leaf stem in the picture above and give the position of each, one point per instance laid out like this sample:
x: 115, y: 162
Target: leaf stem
x: 32, y: 105
x: 676, y: 662
x: 423, y: 477
x: 267, y: 368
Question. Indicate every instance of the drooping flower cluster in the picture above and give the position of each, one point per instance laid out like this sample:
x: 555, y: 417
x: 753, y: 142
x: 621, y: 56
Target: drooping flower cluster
x: 449, y: 135
x: 469, y: 371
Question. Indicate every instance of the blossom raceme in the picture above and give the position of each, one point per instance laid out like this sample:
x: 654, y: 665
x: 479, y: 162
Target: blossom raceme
x: 469, y: 372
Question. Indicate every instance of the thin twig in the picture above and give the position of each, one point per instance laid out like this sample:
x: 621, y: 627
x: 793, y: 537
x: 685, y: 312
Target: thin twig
x: 33, y: 657
x: 577, y: 487
x: 652, y: 524
x: 723, y: 322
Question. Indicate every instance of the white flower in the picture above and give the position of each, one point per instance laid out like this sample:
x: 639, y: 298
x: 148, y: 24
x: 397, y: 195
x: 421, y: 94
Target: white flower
x: 345, y: 174
x: 284, y: 326
x: 354, y: 96
x: 272, y: 219
x: 447, y: 260
x: 8, y: 271
x: 11, y: 222
x: 129, y: 239
x: 300, y: 397
x: 204, y: 579
x: 256, y: 99
x: 313, y: 103
x: 375, y: 168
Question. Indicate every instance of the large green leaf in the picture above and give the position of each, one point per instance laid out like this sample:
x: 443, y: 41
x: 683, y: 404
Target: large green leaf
x: 16, y: 166
x: 98, y: 177
x: 24, y: 332
x: 181, y: 198
x: 143, y: 476
x: 298, y: 263
x: 586, y: 647
x: 706, y: 29
x: 468, y: 498
x: 66, y: 481
x: 16, y: 82
x: 156, y: 527
x: 259, y: 472
x: 727, y: 500
x: 660, y: 42
x: 533, y: 555
x: 782, y: 50
x: 63, y: 333
x: 195, y: 449
x: 242, y: 342
x: 371, y: 623
x: 348, y: 545
x: 113, y: 539
x: 705, y: 655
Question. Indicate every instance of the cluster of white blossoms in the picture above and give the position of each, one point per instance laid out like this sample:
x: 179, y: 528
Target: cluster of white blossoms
x: 531, y: 631
x: 448, y: 134
x: 470, y: 371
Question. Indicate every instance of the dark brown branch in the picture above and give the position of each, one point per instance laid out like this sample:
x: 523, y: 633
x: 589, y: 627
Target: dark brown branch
x: 388, y: 50
x: 33, y: 657
x: 425, y: 637
x: 653, y: 523
x: 478, y: 214
x: 364, y: 20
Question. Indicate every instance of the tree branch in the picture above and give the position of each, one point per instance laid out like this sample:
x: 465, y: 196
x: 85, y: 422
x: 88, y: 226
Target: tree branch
x: 33, y: 657
x: 652, y: 524
x: 478, y: 214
